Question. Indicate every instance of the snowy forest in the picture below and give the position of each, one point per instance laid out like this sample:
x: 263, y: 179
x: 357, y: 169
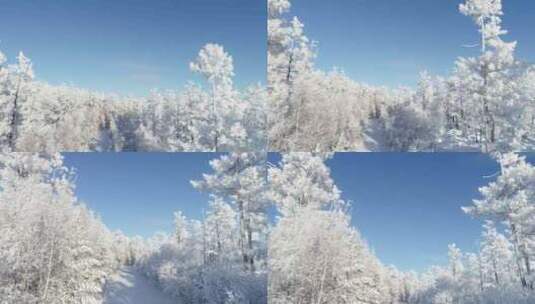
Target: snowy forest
x: 487, y: 103
x: 316, y: 256
x: 272, y: 233
x: 214, y: 116
x: 55, y: 250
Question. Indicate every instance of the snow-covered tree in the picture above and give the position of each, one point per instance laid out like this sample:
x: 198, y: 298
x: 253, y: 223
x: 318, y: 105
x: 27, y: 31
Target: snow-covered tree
x: 15, y: 88
x: 509, y: 200
x: 53, y: 249
x: 501, y: 271
x: 227, y: 109
x: 491, y: 79
x: 302, y: 180
x: 181, y: 228
x: 240, y: 178
x: 204, y: 262
x: 455, y: 255
x: 496, y: 256
x: 289, y: 56
x: 316, y: 257
x: 486, y: 104
x: 314, y: 254
x: 36, y: 116
x: 221, y: 229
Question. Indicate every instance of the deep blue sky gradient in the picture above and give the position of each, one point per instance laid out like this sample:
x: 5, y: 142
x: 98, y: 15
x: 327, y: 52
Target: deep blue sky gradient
x: 389, y: 42
x: 130, y: 47
x: 407, y: 206
x: 137, y: 193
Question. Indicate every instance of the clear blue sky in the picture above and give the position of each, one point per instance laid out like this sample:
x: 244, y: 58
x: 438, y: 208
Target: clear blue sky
x: 407, y: 206
x: 137, y: 193
x: 388, y: 42
x: 130, y: 47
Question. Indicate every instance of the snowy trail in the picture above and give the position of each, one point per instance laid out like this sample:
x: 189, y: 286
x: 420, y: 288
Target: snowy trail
x: 130, y: 287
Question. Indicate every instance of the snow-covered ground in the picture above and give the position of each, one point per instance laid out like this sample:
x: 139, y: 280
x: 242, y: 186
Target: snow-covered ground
x: 130, y: 287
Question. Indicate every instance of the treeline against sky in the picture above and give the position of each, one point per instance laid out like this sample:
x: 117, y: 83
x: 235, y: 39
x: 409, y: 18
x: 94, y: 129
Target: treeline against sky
x: 487, y: 103
x: 277, y: 233
x: 36, y: 116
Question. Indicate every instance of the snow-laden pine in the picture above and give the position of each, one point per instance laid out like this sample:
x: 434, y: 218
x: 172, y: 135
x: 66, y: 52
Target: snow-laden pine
x: 487, y: 103
x: 36, y: 116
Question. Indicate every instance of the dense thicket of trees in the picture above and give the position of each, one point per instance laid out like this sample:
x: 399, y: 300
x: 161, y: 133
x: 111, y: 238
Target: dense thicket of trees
x: 53, y: 249
x: 35, y: 116
x: 486, y: 104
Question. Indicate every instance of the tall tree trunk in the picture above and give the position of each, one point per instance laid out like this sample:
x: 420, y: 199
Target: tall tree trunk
x: 250, y: 245
x: 516, y: 255
x: 243, y: 236
x: 49, y: 269
x: 322, y: 282
x: 215, y: 118
x: 480, y: 269
x: 13, y: 122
